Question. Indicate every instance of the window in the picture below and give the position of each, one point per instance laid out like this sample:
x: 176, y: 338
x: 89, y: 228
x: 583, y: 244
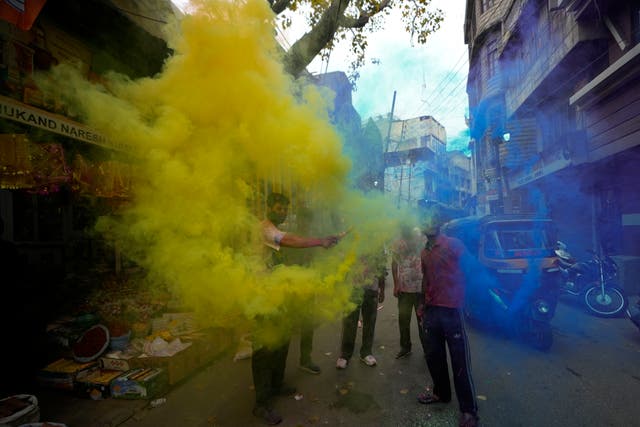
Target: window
x: 486, y: 5
x: 520, y: 240
x: 492, y: 58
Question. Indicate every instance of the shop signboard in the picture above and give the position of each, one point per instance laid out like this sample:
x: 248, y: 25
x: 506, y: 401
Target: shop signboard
x: 17, y: 111
x: 544, y: 165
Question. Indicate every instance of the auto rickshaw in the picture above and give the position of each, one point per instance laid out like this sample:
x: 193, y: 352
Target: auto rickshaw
x: 515, y: 280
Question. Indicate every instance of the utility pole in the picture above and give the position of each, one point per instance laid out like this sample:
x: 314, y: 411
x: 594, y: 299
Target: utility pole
x: 402, y: 162
x: 393, y: 106
x: 400, y: 186
x: 410, y: 178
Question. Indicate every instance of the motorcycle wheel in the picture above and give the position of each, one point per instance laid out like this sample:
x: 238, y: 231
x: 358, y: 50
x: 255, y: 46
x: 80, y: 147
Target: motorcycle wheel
x: 611, y: 304
x: 541, y: 336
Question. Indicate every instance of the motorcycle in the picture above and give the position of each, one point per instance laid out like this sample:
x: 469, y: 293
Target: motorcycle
x: 595, y: 281
x: 515, y: 281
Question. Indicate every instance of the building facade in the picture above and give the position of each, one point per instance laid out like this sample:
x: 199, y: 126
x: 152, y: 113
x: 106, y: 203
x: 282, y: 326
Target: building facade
x: 49, y: 160
x: 418, y: 166
x: 457, y: 189
x: 554, y: 100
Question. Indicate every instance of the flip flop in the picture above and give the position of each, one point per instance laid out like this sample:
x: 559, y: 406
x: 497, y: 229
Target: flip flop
x: 429, y: 398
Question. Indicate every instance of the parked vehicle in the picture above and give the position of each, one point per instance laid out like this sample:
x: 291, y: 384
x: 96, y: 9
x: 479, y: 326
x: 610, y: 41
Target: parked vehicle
x: 515, y: 278
x: 595, y: 281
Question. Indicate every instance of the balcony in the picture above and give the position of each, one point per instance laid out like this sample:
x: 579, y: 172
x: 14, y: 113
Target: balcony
x: 541, y: 56
x: 493, y: 85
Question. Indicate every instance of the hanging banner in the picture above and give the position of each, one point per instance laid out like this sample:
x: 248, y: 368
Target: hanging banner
x: 19, y: 112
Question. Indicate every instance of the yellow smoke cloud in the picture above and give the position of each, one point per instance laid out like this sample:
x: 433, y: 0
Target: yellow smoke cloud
x: 211, y: 134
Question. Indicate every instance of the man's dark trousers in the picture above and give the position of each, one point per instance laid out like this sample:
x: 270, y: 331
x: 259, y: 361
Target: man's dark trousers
x: 306, y: 341
x: 267, y: 366
x: 445, y: 326
x: 407, y: 303
x: 369, y: 307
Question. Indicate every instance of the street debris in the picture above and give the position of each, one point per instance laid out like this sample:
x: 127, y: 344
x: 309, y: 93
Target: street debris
x: 344, y: 389
x: 404, y: 391
x: 298, y: 396
x: 157, y: 402
x: 481, y: 397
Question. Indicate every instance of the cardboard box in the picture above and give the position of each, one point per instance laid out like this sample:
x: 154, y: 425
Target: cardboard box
x: 119, y: 363
x: 63, y: 373
x: 204, y: 348
x: 96, y: 385
x: 176, y: 366
x: 140, y: 383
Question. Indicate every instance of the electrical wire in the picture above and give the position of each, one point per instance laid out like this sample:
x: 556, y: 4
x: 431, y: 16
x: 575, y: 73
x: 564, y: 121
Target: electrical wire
x: 448, y: 103
x: 139, y: 15
x: 442, y: 86
x: 454, y: 67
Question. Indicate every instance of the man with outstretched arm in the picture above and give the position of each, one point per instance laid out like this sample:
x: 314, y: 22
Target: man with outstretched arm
x: 268, y: 364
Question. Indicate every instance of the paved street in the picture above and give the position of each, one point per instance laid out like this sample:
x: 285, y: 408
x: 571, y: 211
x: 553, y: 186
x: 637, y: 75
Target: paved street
x: 590, y: 377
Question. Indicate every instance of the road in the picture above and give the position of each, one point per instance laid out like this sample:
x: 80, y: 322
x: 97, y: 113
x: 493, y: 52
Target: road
x: 590, y: 377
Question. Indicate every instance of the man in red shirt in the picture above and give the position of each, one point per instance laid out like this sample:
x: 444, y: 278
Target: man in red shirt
x: 443, y: 284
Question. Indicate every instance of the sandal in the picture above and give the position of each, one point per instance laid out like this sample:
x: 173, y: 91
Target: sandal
x: 427, y: 398
x: 468, y: 420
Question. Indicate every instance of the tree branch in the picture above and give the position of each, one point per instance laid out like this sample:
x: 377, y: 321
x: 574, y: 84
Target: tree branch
x: 364, y: 17
x: 279, y: 6
x: 309, y: 45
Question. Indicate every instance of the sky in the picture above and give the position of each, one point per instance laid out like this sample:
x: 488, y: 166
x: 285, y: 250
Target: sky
x: 428, y: 79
